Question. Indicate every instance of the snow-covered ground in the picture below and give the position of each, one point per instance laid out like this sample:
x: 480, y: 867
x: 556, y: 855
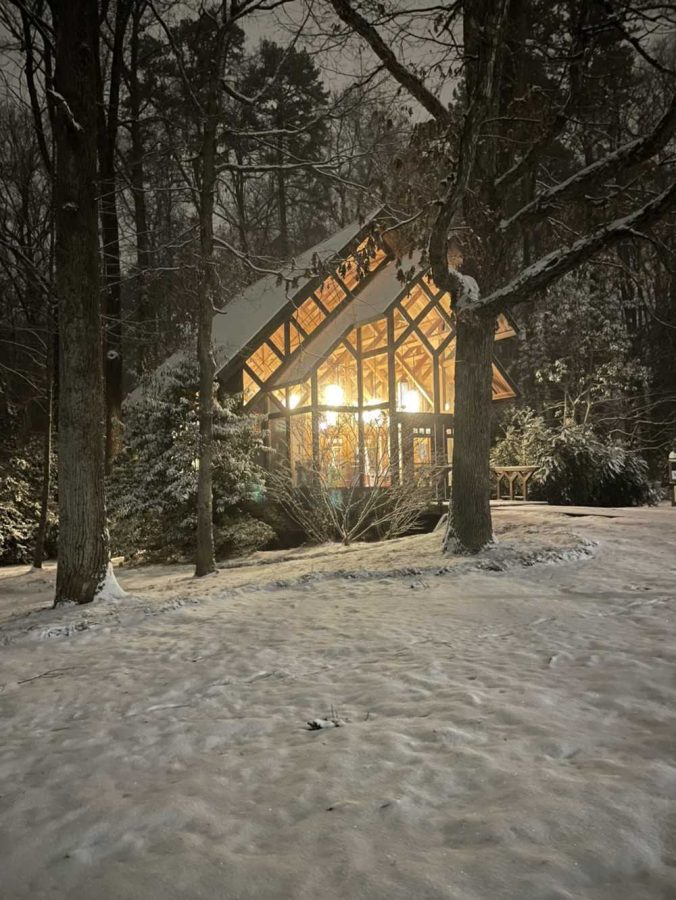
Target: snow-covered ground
x: 508, y: 723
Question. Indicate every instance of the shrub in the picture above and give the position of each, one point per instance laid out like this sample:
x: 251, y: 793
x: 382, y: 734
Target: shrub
x: 242, y: 534
x: 153, y: 489
x: 576, y: 467
x: 20, y: 489
x: 331, y: 505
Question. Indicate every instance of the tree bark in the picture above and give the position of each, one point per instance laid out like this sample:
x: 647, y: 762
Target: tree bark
x: 469, y: 523
x: 284, y: 242
x: 83, y: 537
x: 137, y: 178
x: 110, y: 234
x: 205, y: 561
x: 39, y: 551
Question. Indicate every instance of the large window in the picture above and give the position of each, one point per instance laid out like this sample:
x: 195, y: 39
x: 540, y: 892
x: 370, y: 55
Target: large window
x: 367, y: 257
x: 414, y: 376
x: 338, y: 423
x: 375, y: 372
x: 300, y: 448
x: 339, y: 449
x: 376, y: 425
x: 447, y: 378
x: 337, y: 379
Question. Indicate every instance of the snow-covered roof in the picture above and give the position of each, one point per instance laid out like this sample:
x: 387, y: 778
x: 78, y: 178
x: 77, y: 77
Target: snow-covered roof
x: 237, y: 325
x: 372, y: 301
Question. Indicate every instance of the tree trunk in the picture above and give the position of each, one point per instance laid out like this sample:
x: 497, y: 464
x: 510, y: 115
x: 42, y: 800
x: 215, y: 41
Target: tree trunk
x: 284, y: 243
x: 110, y: 235
x: 205, y: 561
x: 469, y: 522
x: 39, y: 551
x: 83, y: 537
x: 137, y: 178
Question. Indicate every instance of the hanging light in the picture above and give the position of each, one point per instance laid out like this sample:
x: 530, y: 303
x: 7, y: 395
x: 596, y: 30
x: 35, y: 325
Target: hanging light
x: 333, y: 395
x: 412, y: 401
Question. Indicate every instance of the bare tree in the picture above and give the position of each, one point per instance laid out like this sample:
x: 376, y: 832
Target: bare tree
x: 83, y: 538
x: 108, y: 123
x: 481, y: 204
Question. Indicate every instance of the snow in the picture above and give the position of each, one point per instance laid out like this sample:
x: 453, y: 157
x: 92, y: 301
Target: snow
x: 507, y: 723
x: 242, y: 318
x: 109, y: 589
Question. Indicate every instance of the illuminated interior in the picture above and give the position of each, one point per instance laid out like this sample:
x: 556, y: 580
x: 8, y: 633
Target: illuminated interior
x: 377, y: 400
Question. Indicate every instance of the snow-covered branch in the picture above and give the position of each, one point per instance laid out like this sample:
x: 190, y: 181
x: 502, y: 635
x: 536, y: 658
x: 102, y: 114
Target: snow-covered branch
x: 625, y: 157
x: 552, y: 266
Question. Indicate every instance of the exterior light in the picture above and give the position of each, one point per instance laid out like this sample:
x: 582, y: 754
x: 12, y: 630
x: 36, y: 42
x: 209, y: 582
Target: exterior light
x: 333, y: 395
x: 329, y: 418
x: 294, y: 400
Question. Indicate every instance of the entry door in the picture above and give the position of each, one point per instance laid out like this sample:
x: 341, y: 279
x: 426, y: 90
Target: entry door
x: 426, y: 440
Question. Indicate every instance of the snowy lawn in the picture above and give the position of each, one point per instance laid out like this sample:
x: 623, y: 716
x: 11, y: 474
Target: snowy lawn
x: 509, y: 723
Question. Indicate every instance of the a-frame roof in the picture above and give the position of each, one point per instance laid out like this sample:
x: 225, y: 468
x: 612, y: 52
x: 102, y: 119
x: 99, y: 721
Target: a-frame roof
x: 237, y: 327
x: 373, y: 300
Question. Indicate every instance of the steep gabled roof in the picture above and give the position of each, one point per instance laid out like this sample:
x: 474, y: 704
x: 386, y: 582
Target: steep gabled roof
x: 373, y: 300
x: 238, y: 325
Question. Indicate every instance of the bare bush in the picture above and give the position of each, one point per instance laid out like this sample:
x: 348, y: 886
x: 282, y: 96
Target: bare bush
x: 352, y: 494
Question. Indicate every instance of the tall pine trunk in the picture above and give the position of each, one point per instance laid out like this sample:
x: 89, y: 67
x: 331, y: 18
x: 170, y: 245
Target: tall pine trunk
x: 205, y: 561
x: 46, y: 488
x: 110, y: 234
x: 83, y: 537
x: 137, y: 178
x: 284, y: 242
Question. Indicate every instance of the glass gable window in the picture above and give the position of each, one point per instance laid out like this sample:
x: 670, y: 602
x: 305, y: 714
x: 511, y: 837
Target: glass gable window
x: 374, y: 335
x: 330, y: 293
x: 375, y: 372
x: 447, y: 378
x: 367, y: 257
x: 309, y: 316
x: 264, y: 362
x: 415, y: 302
x: 337, y: 379
x: 414, y: 376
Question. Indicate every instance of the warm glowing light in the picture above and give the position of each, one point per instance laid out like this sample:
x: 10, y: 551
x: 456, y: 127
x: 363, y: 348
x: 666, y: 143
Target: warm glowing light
x: 294, y: 400
x: 372, y: 415
x: 333, y: 395
x: 412, y: 401
x: 328, y: 419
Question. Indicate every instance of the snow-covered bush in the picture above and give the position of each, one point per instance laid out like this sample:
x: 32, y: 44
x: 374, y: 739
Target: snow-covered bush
x: 152, y: 490
x: 576, y: 466
x: 20, y: 487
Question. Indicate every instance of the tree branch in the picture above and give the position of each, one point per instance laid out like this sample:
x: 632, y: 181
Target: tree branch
x: 407, y: 79
x: 559, y: 262
x: 625, y: 157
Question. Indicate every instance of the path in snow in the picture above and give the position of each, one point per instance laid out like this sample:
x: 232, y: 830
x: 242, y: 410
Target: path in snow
x: 510, y: 734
